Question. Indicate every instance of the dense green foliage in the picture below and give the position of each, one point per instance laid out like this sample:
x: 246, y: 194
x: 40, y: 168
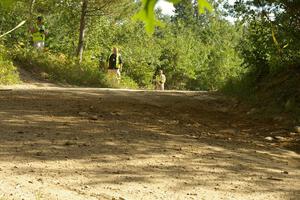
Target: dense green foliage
x: 195, y: 53
x: 58, y: 67
x: 270, y: 48
x: 271, y: 36
x: 147, y: 13
x: 8, y: 72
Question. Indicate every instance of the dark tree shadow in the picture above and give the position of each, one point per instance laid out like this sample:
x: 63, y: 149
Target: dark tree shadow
x: 136, y: 137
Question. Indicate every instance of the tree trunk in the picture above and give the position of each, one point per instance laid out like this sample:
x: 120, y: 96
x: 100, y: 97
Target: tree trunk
x: 80, y: 47
x: 32, y: 2
x: 30, y: 23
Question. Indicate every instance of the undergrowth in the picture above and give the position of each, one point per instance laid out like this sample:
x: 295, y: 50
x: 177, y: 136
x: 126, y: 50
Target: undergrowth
x: 67, y: 70
x: 276, y: 93
x: 8, y: 72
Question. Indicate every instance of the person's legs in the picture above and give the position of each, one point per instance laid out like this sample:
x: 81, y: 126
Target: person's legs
x: 42, y: 45
x: 39, y: 45
x: 157, y: 86
x: 35, y: 44
x: 162, y: 86
x: 118, y: 75
x: 113, y: 76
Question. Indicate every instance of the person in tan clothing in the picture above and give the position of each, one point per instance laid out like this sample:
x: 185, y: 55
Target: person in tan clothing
x: 160, y: 80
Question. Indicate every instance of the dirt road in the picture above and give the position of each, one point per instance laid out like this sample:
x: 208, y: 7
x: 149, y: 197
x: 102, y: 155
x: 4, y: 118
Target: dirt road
x: 59, y: 143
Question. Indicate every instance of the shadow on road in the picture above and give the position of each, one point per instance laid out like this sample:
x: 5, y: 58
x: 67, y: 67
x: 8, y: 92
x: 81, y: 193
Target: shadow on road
x: 179, y: 142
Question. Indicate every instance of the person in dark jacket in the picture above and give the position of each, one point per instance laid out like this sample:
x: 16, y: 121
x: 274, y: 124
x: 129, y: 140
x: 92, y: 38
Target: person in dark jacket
x: 115, y: 64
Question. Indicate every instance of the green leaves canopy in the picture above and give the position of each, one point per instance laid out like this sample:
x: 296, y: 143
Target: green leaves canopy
x: 147, y: 14
x: 6, y: 3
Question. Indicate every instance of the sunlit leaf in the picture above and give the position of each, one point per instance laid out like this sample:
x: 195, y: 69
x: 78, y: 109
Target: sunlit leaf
x: 274, y: 38
x: 147, y: 12
x: 6, y: 3
x: 204, y: 5
x: 147, y: 15
x: 285, y: 46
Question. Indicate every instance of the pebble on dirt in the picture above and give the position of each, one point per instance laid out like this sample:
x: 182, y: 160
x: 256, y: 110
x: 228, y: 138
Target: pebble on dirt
x: 280, y: 138
x: 252, y: 111
x: 39, y: 153
x: 297, y: 129
x: 229, y: 131
x: 269, y: 138
x: 82, y: 113
x: 278, y: 118
x: 69, y: 143
x: 93, y: 117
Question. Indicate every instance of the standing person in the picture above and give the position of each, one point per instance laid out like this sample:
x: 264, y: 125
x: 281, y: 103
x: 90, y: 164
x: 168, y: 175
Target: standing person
x: 160, y: 80
x: 115, y: 64
x: 39, y: 33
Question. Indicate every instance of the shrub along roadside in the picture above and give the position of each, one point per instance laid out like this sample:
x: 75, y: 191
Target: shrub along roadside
x: 66, y: 70
x: 276, y: 94
x: 8, y: 72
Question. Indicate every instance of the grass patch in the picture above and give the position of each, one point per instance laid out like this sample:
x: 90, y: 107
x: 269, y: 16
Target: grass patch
x: 8, y: 72
x: 67, y: 70
x: 276, y: 93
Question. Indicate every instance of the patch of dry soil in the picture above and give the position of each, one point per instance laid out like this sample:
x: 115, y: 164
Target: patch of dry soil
x: 58, y: 143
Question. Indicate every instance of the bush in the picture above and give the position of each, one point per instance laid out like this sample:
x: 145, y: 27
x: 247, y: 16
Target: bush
x: 8, y: 72
x: 67, y: 70
x: 243, y: 87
